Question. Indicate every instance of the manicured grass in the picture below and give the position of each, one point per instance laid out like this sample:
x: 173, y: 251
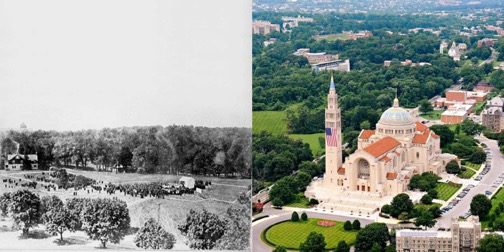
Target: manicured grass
x: 498, y: 197
x: 270, y: 121
x: 468, y: 173
x: 432, y: 115
x: 424, y: 207
x: 290, y: 234
x: 445, y: 191
x: 332, y: 37
x: 473, y: 166
x: 302, y: 202
x: 312, y: 140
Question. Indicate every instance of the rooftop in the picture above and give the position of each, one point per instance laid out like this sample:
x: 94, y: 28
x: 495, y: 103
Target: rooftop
x: 382, y: 146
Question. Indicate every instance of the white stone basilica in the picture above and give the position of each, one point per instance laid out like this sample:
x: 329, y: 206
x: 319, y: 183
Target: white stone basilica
x: 385, y: 160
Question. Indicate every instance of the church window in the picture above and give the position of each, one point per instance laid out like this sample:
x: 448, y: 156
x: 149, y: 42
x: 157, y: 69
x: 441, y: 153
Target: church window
x: 417, y: 155
x: 430, y: 150
x: 395, y: 162
x: 363, y: 169
x: 403, y: 157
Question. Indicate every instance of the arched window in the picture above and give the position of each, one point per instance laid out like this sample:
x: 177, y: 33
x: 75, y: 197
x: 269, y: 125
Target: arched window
x: 363, y: 169
x: 403, y: 157
x: 418, y: 155
x: 395, y: 162
x: 430, y: 150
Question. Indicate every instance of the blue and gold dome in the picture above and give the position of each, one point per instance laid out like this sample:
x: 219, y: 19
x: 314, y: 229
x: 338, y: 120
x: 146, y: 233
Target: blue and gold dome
x: 396, y: 116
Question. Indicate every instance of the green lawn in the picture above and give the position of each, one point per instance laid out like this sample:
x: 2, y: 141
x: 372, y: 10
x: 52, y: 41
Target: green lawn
x: 432, y: 115
x: 271, y: 121
x: 479, y: 107
x: 424, y: 207
x: 312, y: 140
x: 332, y: 37
x: 302, y: 202
x: 468, y: 173
x: 474, y: 166
x: 498, y: 197
x: 445, y: 191
x: 291, y: 234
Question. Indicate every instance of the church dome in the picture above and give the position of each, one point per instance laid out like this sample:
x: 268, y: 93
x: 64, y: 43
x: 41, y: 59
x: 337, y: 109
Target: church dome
x: 396, y: 115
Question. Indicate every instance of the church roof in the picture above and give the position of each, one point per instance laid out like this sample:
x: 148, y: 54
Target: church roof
x: 366, y: 134
x: 434, y: 135
x: 385, y: 158
x: 382, y: 146
x: 406, y: 177
x: 332, y: 82
x: 341, y: 170
x: 421, y: 127
x: 391, y: 175
x: 421, y: 138
x: 396, y: 115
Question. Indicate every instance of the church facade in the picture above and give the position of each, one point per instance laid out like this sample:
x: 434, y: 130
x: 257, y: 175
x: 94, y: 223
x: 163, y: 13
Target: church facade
x: 386, y: 158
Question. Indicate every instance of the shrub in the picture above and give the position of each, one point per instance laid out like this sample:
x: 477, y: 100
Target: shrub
x: 304, y: 216
x: 277, y: 202
x: 347, y: 226
x: 294, y: 216
x: 433, y: 193
x: 313, y: 201
x: 356, y: 225
x: 385, y: 208
x: 426, y: 199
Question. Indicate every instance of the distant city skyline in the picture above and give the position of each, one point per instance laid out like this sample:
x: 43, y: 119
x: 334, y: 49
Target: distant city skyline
x: 90, y: 65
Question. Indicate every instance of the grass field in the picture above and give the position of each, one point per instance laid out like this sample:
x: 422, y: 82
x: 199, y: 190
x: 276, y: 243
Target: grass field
x: 498, y: 197
x: 271, y: 121
x: 468, y: 173
x: 432, y: 115
x: 291, y: 234
x: 302, y: 202
x: 473, y: 166
x: 312, y: 140
x: 332, y: 37
x: 445, y: 191
x: 424, y: 207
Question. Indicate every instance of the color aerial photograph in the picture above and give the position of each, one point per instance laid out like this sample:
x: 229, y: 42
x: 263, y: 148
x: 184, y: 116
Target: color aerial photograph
x: 377, y: 125
x: 116, y: 134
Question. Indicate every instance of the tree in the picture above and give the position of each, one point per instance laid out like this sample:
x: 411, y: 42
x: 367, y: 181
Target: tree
x: 425, y: 219
x: 376, y: 248
x: 202, y: 229
x: 453, y: 167
x: 280, y: 249
x: 347, y: 225
x: 294, y: 216
x: 480, y: 205
x: 365, y: 125
x: 277, y: 202
x: 236, y: 236
x: 435, y: 211
x: 314, y: 243
x: 426, y: 199
x: 25, y: 209
x: 447, y: 136
x: 471, y: 128
x: 400, y: 203
x: 478, y: 156
x: 153, y: 236
x: 356, y: 225
x: 404, y: 216
x: 370, y: 234
x: 4, y: 204
x: 425, y: 106
x: 106, y: 220
x: 385, y: 209
x: 58, y: 219
x: 49, y: 202
x: 491, y: 243
x: 498, y: 225
x: 304, y: 216
x: 433, y: 193
x: 342, y: 247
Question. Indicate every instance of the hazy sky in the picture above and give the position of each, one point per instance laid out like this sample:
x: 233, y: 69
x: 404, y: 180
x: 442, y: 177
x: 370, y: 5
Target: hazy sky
x: 69, y: 65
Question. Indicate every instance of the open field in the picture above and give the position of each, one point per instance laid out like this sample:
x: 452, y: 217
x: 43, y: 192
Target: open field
x: 498, y: 197
x: 170, y: 211
x: 332, y: 37
x: 446, y: 191
x: 432, y: 115
x: 270, y: 121
x: 312, y: 140
x: 290, y: 234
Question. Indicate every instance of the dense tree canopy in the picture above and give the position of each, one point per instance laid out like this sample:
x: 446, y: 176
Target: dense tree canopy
x: 371, y: 234
x: 480, y: 205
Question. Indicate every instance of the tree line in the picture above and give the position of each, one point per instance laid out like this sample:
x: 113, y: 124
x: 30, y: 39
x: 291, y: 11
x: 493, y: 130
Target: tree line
x: 172, y: 149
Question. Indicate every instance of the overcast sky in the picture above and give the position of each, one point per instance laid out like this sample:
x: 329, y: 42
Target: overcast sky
x: 70, y: 65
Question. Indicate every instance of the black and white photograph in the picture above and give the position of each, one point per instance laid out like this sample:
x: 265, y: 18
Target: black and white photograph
x: 125, y: 125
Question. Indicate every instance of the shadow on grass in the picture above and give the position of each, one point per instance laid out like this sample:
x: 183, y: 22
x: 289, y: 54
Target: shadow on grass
x: 73, y: 240
x: 35, y: 234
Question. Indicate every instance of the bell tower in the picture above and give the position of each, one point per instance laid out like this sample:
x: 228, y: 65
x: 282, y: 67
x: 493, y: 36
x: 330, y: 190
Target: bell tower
x: 333, y: 148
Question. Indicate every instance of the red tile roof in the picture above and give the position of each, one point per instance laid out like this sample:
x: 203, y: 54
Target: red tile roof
x: 382, y: 146
x: 421, y: 127
x: 385, y: 158
x: 406, y: 177
x: 391, y: 175
x: 341, y: 170
x: 421, y: 138
x: 415, y: 171
x: 366, y: 134
x: 434, y: 135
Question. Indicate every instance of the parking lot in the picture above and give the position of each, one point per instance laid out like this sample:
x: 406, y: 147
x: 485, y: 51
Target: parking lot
x: 486, y: 182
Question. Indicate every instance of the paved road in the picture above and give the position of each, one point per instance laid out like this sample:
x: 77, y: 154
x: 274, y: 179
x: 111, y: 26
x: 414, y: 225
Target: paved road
x: 281, y: 215
x: 484, y: 185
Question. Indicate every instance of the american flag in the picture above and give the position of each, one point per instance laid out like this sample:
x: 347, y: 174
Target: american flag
x: 331, y: 137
